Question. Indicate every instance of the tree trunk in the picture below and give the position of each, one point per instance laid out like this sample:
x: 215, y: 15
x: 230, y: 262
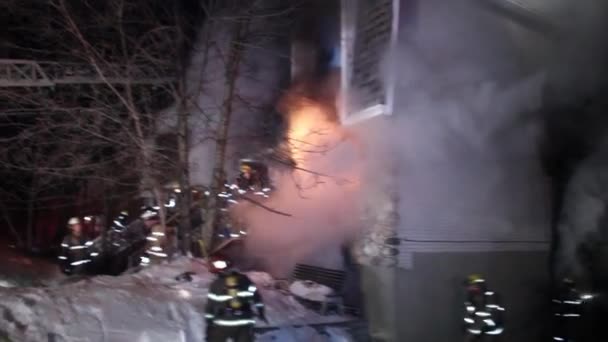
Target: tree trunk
x: 11, y: 226
x: 185, y: 227
x: 158, y: 196
x: 232, y: 71
x: 106, y: 219
x: 183, y: 137
x: 31, y: 203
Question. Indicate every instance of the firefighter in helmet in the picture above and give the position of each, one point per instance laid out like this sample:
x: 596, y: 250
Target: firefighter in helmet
x: 483, y: 312
x: 568, y: 311
x: 116, y: 234
x: 253, y: 178
x: 246, y: 179
x: 157, y: 244
x: 75, y: 250
x: 233, y: 302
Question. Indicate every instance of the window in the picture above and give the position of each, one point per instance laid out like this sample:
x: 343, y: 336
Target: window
x: 369, y: 29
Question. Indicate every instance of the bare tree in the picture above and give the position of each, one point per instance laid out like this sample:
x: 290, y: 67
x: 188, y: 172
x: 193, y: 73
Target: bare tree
x: 231, y: 73
x: 118, y: 74
x: 123, y: 56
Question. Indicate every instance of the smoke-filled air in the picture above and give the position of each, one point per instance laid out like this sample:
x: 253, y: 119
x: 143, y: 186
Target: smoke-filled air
x: 319, y: 195
x: 463, y: 147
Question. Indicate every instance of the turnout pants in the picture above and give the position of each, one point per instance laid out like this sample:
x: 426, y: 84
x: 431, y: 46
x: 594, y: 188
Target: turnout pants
x: 243, y: 333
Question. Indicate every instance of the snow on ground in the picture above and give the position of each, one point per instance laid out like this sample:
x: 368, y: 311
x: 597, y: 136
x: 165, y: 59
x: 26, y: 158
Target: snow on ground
x: 18, y: 269
x: 307, y: 334
x: 310, y: 290
x: 147, y: 306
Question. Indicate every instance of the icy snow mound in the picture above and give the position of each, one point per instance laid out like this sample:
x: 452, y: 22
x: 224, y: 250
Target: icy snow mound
x: 305, y: 334
x: 7, y: 283
x: 310, y: 290
x: 148, y: 306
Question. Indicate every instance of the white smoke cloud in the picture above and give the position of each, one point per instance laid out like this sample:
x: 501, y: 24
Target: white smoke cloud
x: 465, y: 130
x: 577, y: 74
x: 462, y: 143
x: 584, y: 213
x: 323, y: 211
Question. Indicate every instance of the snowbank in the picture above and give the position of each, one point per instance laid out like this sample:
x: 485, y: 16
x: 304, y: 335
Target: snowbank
x: 310, y: 290
x: 307, y: 334
x: 148, y: 306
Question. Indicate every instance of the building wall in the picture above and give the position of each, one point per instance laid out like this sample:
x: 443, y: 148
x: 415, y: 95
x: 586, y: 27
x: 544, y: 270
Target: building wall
x: 431, y: 294
x: 466, y: 192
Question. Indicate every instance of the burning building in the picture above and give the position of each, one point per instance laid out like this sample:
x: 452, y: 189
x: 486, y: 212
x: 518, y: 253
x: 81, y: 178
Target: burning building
x: 445, y: 99
x: 441, y: 176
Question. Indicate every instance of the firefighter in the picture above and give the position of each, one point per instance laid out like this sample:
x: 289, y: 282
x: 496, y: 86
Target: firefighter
x: 157, y: 243
x: 567, y: 311
x: 135, y: 236
x: 248, y: 179
x: 116, y: 237
x: 98, y: 238
x: 233, y: 302
x: 253, y: 180
x: 75, y: 250
x: 245, y: 178
x: 118, y: 245
x: 227, y: 195
x: 483, y: 312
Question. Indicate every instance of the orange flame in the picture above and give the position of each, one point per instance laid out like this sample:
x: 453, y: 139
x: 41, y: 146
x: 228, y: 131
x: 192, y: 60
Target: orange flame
x: 310, y: 130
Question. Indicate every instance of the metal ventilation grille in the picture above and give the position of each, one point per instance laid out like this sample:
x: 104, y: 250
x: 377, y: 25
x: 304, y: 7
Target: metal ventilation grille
x: 369, y: 27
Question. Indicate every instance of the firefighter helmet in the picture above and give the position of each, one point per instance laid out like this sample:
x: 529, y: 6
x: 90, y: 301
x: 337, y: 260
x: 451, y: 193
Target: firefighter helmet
x: 73, y: 221
x: 568, y: 283
x: 475, y: 279
x: 149, y: 213
x: 219, y: 264
x: 120, y: 222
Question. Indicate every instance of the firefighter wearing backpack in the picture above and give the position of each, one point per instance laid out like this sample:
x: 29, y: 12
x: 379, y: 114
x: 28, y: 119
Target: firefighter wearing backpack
x: 233, y: 302
x: 483, y: 313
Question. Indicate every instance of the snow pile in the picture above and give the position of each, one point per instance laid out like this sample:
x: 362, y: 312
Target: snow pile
x: 148, y: 306
x: 305, y: 334
x: 6, y: 283
x: 310, y: 290
x: 262, y: 279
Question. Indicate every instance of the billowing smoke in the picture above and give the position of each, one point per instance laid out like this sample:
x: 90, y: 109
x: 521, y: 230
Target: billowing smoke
x: 320, y: 196
x: 461, y: 149
x: 583, y: 221
x: 465, y: 137
x: 580, y: 81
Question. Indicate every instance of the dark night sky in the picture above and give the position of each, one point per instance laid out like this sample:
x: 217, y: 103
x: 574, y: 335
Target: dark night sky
x: 33, y: 27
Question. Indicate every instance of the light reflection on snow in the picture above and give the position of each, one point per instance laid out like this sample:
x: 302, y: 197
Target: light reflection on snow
x: 173, y: 308
x: 6, y: 283
x: 184, y: 293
